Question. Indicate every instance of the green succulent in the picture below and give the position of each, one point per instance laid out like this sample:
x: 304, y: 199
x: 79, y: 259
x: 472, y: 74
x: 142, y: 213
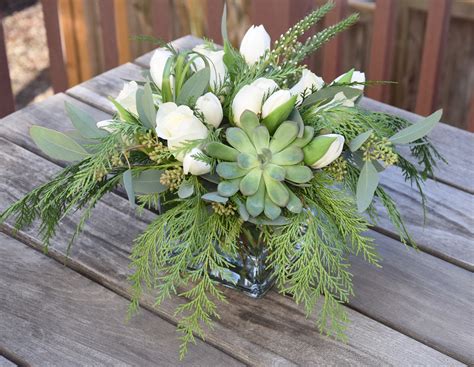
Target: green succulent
x: 260, y: 166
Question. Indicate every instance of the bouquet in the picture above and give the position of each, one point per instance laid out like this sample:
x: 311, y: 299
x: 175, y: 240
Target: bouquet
x: 261, y: 173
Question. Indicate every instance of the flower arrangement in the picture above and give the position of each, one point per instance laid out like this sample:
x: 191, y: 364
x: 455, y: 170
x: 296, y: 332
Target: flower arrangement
x: 260, y: 172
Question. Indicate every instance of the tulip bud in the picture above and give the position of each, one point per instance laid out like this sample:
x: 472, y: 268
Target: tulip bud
x: 128, y: 97
x: 276, y: 100
x: 268, y: 86
x: 216, y: 62
x: 105, y: 125
x: 323, y: 150
x: 194, y: 166
x: 211, y: 108
x: 157, y: 66
x: 309, y: 82
x: 355, y: 77
x: 255, y: 44
x: 248, y: 98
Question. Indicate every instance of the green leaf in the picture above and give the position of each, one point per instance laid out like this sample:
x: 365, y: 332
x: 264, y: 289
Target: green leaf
x: 83, y: 122
x: 239, y: 140
x: 251, y: 181
x: 288, y: 156
x: 294, y: 204
x: 146, y: 107
x: 280, y: 221
x: 306, y: 138
x: 360, y: 139
x: 122, y: 113
x: 225, y: 38
x: 328, y: 93
x: 346, y: 78
x: 247, y: 161
x: 228, y: 188
x: 249, y: 121
x: 148, y: 182
x: 295, y: 116
x: 272, y: 211
x: 214, y: 196
x: 280, y: 114
x: 244, y: 214
x: 275, y: 172
x: 256, y: 203
x: 186, y: 189
x: 194, y: 87
x: 284, y: 136
x: 299, y: 174
x: 260, y: 138
x: 166, y: 88
x: 57, y: 145
x: 128, y: 184
x: 417, y: 130
x: 366, y: 186
x: 221, y: 151
x: 230, y: 170
x: 276, y: 191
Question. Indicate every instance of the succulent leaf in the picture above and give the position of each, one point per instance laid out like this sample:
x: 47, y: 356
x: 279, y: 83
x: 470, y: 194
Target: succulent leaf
x: 249, y: 121
x: 240, y: 140
x: 299, y: 174
x: 260, y: 138
x: 247, y: 161
x: 306, y: 138
x: 276, y: 190
x: 274, y: 119
x: 294, y: 204
x: 251, y: 181
x: 276, y: 172
x: 221, y: 151
x: 284, y: 136
x: 289, y: 156
x: 228, y: 187
x: 230, y: 170
x: 256, y: 203
x: 272, y: 211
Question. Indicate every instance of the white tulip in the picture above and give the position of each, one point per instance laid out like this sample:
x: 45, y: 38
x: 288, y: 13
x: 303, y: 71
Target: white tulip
x: 216, y: 63
x: 248, y: 98
x: 274, y: 101
x: 268, y: 86
x: 157, y: 66
x: 177, y: 125
x: 317, y: 155
x: 194, y: 166
x: 105, y: 125
x: 309, y: 82
x: 357, y: 77
x: 128, y: 97
x: 255, y: 44
x: 211, y: 108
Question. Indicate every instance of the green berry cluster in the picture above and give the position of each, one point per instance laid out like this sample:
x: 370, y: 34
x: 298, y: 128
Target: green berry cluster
x: 172, y: 178
x: 337, y: 169
x: 379, y: 149
x: 154, y: 147
x: 100, y: 173
x: 227, y: 209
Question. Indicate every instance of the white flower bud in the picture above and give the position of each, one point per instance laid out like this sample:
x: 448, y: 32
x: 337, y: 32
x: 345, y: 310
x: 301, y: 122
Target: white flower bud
x: 309, y: 82
x: 268, y: 86
x: 357, y: 77
x: 216, y: 64
x: 274, y: 101
x: 248, y: 98
x: 211, y: 108
x: 105, y: 125
x: 194, y: 166
x: 128, y: 96
x: 255, y: 43
x: 157, y: 66
x: 323, y: 150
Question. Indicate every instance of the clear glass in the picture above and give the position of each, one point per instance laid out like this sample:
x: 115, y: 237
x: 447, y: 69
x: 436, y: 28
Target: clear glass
x: 248, y: 272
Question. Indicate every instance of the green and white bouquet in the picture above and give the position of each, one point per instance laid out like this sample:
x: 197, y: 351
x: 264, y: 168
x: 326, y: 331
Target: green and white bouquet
x: 261, y: 173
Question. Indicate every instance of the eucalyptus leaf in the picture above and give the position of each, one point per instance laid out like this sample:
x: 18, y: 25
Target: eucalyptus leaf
x: 328, y: 93
x: 214, y: 196
x: 186, y: 189
x: 295, y: 116
x: 366, y: 186
x: 417, y: 130
x: 128, y: 184
x: 194, y: 87
x: 360, y: 139
x: 146, y: 106
x: 57, y: 145
x: 244, y: 214
x: 148, y: 182
x: 83, y: 122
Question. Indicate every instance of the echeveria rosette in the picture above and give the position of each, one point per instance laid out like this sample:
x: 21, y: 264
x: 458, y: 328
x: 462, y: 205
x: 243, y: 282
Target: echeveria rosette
x: 262, y: 167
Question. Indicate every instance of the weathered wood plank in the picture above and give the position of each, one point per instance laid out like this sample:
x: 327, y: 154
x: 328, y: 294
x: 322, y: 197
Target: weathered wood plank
x: 51, y: 315
x: 279, y: 334
x: 456, y: 145
x: 453, y: 245
x: 8, y: 101
x: 6, y: 362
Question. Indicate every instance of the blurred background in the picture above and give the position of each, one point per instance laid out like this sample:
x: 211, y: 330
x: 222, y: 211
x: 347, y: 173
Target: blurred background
x: 81, y: 26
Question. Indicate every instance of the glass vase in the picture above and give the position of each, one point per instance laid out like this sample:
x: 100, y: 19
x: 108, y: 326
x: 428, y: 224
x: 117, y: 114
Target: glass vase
x: 248, y: 271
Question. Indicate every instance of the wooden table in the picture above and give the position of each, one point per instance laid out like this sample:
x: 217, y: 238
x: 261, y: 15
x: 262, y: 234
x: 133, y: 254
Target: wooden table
x: 416, y: 310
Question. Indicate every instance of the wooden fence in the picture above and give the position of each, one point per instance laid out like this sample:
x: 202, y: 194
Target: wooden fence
x: 277, y: 16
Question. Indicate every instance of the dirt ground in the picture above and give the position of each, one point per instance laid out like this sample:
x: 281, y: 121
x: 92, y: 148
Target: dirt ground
x: 27, y: 55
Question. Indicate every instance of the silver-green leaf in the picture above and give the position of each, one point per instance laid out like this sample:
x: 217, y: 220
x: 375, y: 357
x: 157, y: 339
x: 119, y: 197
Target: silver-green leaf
x: 360, y: 139
x: 128, y: 184
x: 57, y: 145
x: 418, y: 130
x: 194, y: 87
x: 83, y: 122
x: 148, y: 182
x: 366, y: 186
x: 186, y: 189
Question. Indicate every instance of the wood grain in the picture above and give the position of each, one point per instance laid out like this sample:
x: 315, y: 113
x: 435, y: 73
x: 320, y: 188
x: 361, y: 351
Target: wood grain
x: 259, y: 332
x: 51, y: 315
x: 6, y: 363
